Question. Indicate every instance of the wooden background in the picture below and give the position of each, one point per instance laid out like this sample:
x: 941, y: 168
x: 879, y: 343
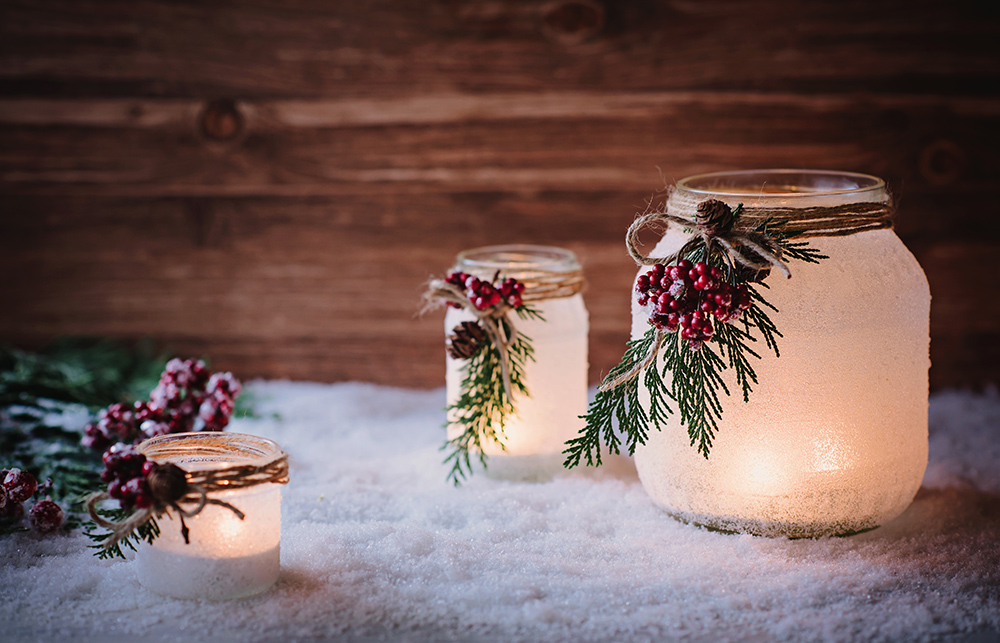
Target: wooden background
x: 269, y: 183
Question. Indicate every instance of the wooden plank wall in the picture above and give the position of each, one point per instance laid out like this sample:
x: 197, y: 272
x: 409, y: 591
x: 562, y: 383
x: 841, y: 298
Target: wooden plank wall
x: 269, y: 182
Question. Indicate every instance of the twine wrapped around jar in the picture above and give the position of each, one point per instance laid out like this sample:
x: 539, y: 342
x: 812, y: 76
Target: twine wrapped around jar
x: 172, y: 486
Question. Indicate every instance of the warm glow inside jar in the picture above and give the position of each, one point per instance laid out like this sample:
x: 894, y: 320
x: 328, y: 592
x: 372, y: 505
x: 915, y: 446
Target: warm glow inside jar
x: 227, y: 557
x: 557, y: 380
x: 834, y: 437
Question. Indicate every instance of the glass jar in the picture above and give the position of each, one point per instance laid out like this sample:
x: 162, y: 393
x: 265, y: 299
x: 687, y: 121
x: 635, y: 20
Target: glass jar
x: 834, y: 437
x: 226, y: 557
x: 533, y: 438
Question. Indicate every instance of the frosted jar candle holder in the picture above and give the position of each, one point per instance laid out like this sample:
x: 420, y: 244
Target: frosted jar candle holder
x: 544, y: 420
x: 834, y: 437
x: 227, y: 557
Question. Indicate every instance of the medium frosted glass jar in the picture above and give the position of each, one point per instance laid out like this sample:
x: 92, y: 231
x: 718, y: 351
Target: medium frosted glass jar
x: 227, y: 557
x: 834, y: 437
x: 535, y: 435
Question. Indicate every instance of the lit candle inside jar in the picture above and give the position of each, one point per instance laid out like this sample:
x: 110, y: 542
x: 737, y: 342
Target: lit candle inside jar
x: 227, y: 557
x: 534, y: 437
x: 833, y: 439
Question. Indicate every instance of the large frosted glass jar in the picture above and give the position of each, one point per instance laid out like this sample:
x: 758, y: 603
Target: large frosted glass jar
x: 834, y: 437
x: 535, y: 436
x: 227, y: 557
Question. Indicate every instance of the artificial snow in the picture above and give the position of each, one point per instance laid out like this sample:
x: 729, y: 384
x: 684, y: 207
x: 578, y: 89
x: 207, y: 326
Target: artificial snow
x: 376, y: 546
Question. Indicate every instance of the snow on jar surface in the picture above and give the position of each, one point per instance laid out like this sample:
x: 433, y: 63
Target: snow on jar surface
x: 834, y: 437
x: 533, y: 438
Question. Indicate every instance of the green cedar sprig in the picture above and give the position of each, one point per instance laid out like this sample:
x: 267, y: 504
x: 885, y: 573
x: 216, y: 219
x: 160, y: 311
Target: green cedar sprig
x: 619, y: 407
x: 147, y: 531
x: 483, y: 405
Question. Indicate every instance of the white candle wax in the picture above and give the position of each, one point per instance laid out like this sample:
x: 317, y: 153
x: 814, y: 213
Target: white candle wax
x: 834, y: 437
x: 227, y: 557
x: 534, y: 437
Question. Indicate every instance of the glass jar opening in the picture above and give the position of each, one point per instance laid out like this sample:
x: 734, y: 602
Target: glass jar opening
x: 782, y: 183
x: 517, y: 258
x: 207, y: 450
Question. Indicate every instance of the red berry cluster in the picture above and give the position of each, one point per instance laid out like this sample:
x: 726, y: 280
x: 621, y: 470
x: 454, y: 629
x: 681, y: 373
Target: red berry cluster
x: 483, y: 294
x: 125, y: 471
x: 117, y: 423
x: 687, y: 297
x: 188, y: 398
x: 17, y: 487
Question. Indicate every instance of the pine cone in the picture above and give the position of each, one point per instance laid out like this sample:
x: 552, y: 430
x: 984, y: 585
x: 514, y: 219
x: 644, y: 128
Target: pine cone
x: 466, y: 340
x: 715, y: 217
x: 167, y: 483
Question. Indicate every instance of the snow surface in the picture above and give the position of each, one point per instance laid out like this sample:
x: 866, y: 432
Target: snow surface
x: 376, y: 546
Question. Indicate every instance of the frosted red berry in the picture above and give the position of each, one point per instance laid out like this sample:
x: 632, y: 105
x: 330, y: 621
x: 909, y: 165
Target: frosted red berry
x: 176, y: 405
x: 20, y: 485
x: 484, y: 294
x: 691, y: 298
x: 46, y: 516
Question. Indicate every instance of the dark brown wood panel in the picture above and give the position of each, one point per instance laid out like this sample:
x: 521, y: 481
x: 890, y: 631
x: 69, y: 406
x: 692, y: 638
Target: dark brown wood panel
x: 269, y: 183
x: 320, y: 48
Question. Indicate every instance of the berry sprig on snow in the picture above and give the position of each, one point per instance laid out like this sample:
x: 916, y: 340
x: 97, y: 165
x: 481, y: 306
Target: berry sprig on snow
x: 189, y: 397
x: 17, y: 487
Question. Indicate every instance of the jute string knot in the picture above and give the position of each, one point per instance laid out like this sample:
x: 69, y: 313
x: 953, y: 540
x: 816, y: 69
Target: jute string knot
x: 539, y: 285
x: 171, y: 487
x: 738, y: 238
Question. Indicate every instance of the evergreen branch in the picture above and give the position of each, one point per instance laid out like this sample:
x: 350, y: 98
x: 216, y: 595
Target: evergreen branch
x: 695, y: 367
x: 799, y: 250
x: 483, y: 405
x: 756, y: 317
x: 619, y: 407
x: 732, y: 342
x: 147, y: 531
x: 527, y: 311
x: 695, y: 386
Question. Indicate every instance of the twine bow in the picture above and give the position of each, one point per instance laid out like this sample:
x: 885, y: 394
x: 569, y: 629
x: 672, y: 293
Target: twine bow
x: 715, y: 224
x: 172, y: 486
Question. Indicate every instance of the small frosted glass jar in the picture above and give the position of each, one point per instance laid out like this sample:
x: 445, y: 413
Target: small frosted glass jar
x: 535, y: 436
x: 834, y: 437
x: 227, y: 557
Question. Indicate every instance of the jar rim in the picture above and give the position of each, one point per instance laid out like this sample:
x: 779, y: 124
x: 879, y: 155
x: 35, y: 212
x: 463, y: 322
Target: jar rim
x: 518, y: 257
x: 206, y: 450
x: 784, y: 183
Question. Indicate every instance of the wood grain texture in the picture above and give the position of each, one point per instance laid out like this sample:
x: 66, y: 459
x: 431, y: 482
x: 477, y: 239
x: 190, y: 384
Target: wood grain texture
x: 232, y: 178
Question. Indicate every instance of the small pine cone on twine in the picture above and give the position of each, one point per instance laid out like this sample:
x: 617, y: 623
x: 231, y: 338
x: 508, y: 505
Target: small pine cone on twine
x: 715, y: 217
x: 168, y: 484
x: 466, y: 340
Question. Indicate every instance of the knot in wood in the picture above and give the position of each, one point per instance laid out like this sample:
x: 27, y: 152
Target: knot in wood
x: 168, y: 484
x: 714, y: 217
x: 221, y: 121
x: 571, y: 22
